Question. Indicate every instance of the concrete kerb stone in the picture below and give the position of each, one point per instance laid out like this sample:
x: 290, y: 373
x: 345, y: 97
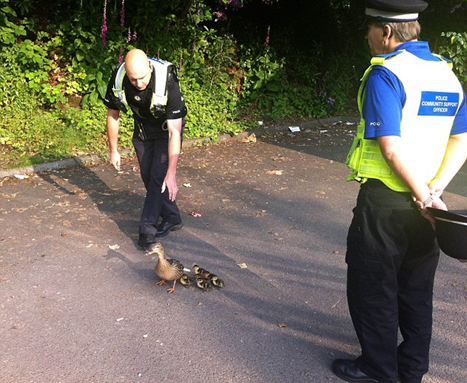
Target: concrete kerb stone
x: 91, y: 159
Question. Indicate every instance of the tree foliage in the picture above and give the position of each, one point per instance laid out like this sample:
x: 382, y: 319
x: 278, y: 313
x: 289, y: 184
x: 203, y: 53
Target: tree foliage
x: 238, y: 61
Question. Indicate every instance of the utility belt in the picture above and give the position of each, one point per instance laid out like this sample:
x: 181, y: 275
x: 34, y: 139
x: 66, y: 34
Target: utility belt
x: 142, y: 132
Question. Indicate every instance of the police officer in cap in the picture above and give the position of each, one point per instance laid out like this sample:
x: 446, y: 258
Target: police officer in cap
x: 152, y: 91
x: 410, y: 143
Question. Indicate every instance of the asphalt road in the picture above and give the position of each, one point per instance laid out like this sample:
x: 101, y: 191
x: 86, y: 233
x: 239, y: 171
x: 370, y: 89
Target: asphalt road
x: 79, y: 301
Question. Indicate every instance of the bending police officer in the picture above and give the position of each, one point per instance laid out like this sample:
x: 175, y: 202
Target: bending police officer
x: 152, y: 91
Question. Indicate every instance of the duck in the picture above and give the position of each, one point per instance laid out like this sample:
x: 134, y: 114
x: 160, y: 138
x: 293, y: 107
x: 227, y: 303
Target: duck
x: 186, y: 281
x: 199, y: 271
x: 196, y: 268
x: 167, y: 269
x: 203, y: 283
x: 216, y: 281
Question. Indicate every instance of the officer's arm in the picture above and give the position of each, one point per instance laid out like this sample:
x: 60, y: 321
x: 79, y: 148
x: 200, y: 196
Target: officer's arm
x: 113, y: 125
x: 174, y: 128
x: 454, y: 158
x: 399, y: 160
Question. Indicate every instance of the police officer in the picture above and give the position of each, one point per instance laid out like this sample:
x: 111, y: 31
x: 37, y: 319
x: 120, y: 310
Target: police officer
x: 152, y: 91
x: 411, y: 141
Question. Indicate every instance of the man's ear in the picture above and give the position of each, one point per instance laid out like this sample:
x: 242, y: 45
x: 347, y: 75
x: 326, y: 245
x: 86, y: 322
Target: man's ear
x: 387, y: 31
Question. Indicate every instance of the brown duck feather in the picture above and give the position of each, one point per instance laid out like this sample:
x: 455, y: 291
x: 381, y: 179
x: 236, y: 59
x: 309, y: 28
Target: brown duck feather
x: 167, y: 269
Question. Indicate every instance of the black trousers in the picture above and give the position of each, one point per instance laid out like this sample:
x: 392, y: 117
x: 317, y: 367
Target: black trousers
x: 392, y: 255
x: 153, y: 158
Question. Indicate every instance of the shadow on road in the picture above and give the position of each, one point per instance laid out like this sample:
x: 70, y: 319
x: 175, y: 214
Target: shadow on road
x: 118, y: 196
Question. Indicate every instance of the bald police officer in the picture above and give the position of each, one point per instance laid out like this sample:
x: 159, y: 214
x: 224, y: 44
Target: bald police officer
x: 151, y: 89
x: 410, y: 143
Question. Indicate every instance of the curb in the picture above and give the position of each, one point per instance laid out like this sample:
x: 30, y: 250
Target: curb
x: 92, y: 159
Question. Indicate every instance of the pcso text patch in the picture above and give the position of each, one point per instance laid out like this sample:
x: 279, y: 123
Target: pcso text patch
x: 438, y: 104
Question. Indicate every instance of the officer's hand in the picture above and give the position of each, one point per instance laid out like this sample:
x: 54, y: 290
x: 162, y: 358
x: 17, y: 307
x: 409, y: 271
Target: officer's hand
x: 436, y: 187
x: 427, y: 215
x: 170, y: 183
x: 439, y: 204
x: 436, y: 203
x: 115, y: 160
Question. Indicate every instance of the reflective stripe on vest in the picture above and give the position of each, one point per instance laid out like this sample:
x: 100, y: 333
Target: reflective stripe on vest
x: 159, y: 95
x: 365, y: 158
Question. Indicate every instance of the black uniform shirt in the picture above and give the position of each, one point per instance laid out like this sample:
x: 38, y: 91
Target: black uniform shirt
x: 140, y: 103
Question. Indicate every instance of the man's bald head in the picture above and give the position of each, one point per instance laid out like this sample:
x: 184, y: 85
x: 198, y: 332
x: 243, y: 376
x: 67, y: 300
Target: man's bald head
x: 138, y: 68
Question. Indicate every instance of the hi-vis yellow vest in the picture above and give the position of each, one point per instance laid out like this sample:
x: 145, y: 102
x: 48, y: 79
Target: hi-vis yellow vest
x: 433, y: 97
x: 159, y: 96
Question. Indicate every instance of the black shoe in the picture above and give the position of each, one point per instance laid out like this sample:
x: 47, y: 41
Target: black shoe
x: 147, y: 241
x: 348, y: 370
x: 166, y: 227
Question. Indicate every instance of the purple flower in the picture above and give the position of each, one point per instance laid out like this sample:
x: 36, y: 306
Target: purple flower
x: 128, y: 37
x: 120, y: 57
x: 266, y: 42
x: 331, y: 101
x: 235, y: 3
x: 193, y: 47
x: 232, y: 3
x: 122, y: 14
x: 221, y: 16
x: 135, y: 35
x: 104, y: 25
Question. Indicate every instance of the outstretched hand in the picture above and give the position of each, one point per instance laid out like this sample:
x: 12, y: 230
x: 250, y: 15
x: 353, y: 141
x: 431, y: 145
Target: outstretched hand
x: 170, y: 183
x: 115, y: 160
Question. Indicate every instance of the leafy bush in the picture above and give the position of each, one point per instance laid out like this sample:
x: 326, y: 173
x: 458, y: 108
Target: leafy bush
x: 454, y: 47
x: 9, y: 31
x: 54, y: 73
x: 207, y: 113
x: 35, y: 135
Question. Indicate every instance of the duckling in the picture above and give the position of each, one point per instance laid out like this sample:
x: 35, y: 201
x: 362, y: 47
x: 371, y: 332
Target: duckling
x: 216, y: 281
x: 186, y: 281
x: 196, y: 269
x: 203, y: 283
x: 206, y: 274
x: 167, y: 269
x: 202, y: 272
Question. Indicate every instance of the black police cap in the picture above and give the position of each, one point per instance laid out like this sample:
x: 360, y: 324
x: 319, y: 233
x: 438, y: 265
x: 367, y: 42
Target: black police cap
x: 395, y: 10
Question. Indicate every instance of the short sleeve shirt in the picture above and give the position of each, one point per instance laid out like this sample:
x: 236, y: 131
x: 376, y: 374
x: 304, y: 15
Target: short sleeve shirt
x: 385, y: 98
x: 140, y: 102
